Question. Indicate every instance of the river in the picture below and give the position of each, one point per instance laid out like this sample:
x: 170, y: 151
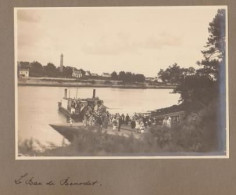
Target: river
x: 38, y: 107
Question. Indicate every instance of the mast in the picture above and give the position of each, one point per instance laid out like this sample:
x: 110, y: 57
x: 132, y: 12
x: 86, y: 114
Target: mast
x: 94, y: 93
x: 76, y: 92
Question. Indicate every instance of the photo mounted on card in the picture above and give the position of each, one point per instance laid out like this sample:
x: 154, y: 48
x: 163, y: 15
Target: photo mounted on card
x: 121, y: 82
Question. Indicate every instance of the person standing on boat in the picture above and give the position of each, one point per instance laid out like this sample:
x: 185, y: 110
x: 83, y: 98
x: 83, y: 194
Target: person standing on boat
x: 71, y: 121
x: 95, y: 108
x: 119, y: 122
x: 105, y: 120
x: 142, y: 127
x: 127, y: 118
x: 137, y: 124
x: 123, y: 118
x: 164, y: 122
x: 101, y: 108
x: 99, y: 122
x: 168, y: 122
x: 133, y: 123
x: 85, y: 120
x: 114, y: 123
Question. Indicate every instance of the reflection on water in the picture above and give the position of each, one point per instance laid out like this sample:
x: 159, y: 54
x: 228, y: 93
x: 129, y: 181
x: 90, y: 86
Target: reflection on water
x: 37, y: 107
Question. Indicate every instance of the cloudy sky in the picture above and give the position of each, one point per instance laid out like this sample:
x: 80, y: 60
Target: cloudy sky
x: 136, y: 39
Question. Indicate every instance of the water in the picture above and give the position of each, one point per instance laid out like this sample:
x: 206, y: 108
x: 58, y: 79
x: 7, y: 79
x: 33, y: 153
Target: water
x: 37, y: 107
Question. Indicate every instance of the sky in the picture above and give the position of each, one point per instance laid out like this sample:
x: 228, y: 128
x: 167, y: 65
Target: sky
x: 106, y: 39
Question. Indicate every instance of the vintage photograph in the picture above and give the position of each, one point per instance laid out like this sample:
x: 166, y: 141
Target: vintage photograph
x: 121, y: 82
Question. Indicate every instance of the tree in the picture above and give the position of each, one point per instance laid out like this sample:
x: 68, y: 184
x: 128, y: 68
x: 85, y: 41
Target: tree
x: 196, y: 91
x: 129, y: 77
x: 203, y: 87
x: 191, y: 71
x: 50, y: 70
x: 173, y: 74
x: 214, y: 53
x: 24, y: 64
x: 67, y: 71
x: 121, y: 76
x: 204, y: 91
x: 139, y: 77
x: 114, y: 75
x: 36, y: 69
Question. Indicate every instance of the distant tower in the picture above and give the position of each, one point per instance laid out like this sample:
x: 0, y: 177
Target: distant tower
x: 61, y: 63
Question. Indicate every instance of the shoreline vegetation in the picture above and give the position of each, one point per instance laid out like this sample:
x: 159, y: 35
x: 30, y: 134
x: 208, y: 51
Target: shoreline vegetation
x: 70, y: 82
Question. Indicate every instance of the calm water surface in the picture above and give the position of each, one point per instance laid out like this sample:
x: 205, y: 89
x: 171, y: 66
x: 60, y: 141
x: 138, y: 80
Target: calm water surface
x: 37, y: 107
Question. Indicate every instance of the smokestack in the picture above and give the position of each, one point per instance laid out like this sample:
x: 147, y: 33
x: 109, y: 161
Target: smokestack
x: 94, y: 93
x: 65, y: 96
x: 61, y: 63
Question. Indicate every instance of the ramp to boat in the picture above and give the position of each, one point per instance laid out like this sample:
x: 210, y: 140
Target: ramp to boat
x: 70, y: 131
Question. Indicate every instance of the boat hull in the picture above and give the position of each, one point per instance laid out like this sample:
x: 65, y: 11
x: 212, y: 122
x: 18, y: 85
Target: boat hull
x: 75, y: 117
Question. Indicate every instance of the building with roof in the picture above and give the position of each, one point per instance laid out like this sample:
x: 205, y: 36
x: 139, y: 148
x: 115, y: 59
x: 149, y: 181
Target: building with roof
x: 24, y: 72
x: 107, y: 75
x: 87, y: 73
x: 77, y: 73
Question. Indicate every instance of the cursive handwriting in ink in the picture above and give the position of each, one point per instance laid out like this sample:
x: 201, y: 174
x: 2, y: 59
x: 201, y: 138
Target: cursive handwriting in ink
x: 29, y: 180
x: 68, y: 182
x: 32, y: 181
x: 50, y: 183
x: 19, y: 180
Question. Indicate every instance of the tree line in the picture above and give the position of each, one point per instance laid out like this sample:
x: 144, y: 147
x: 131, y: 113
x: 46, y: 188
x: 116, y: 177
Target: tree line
x: 174, y: 74
x: 36, y: 69
x: 127, y: 77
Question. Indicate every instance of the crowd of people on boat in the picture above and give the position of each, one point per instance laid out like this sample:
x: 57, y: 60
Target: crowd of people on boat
x: 97, y: 115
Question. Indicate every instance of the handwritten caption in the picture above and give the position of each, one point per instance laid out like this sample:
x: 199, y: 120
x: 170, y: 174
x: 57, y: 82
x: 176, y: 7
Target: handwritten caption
x: 29, y: 180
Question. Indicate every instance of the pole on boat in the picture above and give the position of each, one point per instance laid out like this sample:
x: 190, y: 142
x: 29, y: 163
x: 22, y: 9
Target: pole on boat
x: 65, y: 94
x: 76, y: 92
x: 94, y: 93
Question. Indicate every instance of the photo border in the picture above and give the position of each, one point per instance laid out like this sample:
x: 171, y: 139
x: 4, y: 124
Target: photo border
x: 202, y: 156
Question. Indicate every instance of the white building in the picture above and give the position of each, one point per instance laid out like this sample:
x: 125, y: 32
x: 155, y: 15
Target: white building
x: 77, y: 73
x: 94, y: 74
x: 24, y: 72
x: 87, y: 73
x: 150, y: 78
x: 106, y: 75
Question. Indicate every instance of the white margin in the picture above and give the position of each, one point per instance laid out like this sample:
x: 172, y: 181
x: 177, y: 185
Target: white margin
x: 16, y: 82
x: 227, y: 80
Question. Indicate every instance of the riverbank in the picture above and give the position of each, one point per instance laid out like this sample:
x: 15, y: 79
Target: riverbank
x: 70, y: 82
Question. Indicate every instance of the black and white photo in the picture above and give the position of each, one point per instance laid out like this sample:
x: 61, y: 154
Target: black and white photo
x: 121, y: 82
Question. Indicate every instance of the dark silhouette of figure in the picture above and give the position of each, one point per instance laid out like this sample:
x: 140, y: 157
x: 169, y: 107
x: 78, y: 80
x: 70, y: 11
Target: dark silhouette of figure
x: 127, y: 118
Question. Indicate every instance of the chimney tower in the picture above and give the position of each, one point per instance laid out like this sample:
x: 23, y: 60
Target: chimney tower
x: 61, y: 63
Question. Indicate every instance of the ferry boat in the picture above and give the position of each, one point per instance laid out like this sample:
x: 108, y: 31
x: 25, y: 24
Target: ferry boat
x: 76, y: 108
